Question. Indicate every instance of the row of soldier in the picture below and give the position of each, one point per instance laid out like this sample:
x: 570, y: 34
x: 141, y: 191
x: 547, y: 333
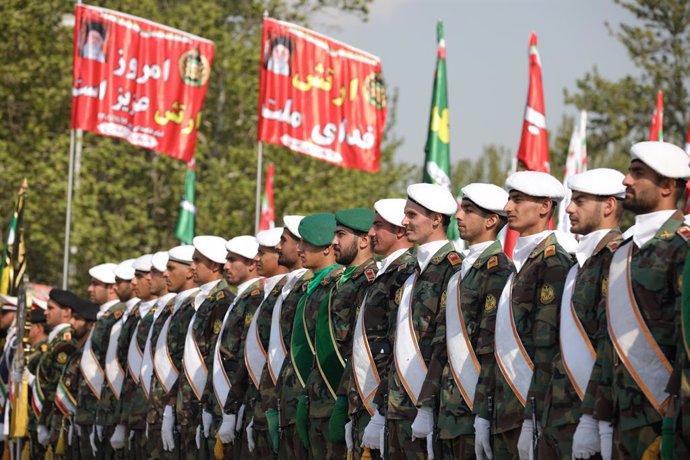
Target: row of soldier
x: 297, y: 343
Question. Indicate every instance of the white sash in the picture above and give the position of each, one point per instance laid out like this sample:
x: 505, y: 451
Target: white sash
x: 463, y: 361
x: 408, y: 359
x: 577, y: 352
x: 254, y: 353
x: 113, y: 370
x: 277, y: 351
x: 630, y: 335
x: 134, y: 357
x: 221, y: 381
x: 91, y: 369
x: 511, y: 356
x: 193, y: 363
x: 147, y: 360
x: 363, y: 365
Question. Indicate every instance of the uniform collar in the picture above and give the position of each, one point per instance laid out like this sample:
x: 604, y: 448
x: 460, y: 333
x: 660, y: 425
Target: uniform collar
x: 525, y: 245
x: 242, y: 287
x: 56, y: 330
x: 426, y: 251
x: 105, y: 307
x: 473, y: 253
x: 388, y: 260
x: 272, y: 282
x: 588, y: 243
x: 646, y: 225
x: 162, y: 302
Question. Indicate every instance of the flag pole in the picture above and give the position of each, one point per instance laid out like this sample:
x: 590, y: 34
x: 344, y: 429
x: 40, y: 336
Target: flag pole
x: 68, y: 216
x: 259, y: 167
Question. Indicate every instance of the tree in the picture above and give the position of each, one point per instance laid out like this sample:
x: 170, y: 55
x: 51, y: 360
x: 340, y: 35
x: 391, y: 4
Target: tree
x: 127, y: 198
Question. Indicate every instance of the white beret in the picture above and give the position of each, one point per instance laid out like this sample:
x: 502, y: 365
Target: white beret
x: 211, y: 247
x: 666, y: 159
x: 159, y: 261
x: 243, y: 245
x: 269, y: 238
x: 392, y: 210
x: 182, y: 254
x: 537, y: 184
x: 9, y: 303
x: 105, y: 273
x: 143, y: 263
x: 435, y: 198
x: 487, y: 196
x: 125, y: 270
x: 292, y: 224
x: 600, y: 182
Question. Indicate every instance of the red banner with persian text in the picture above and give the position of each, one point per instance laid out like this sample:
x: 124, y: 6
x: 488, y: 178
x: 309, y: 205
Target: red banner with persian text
x: 320, y: 97
x: 139, y: 81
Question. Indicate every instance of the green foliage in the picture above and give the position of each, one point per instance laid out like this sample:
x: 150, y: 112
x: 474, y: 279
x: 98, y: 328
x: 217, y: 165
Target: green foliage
x: 126, y: 199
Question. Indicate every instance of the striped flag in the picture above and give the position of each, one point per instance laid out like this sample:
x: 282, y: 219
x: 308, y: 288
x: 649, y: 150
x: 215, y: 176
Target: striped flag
x: 184, y: 231
x: 656, y: 130
x: 13, y: 262
x: 268, y: 212
x: 576, y: 163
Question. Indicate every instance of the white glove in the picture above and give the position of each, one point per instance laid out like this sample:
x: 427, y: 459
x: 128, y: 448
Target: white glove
x: 482, y: 438
x: 70, y: 434
x: 117, y: 440
x: 92, y: 440
x: 240, y: 417
x: 349, y: 442
x: 525, y: 440
x: 430, y: 446
x: 197, y: 438
x: 99, y: 432
x: 206, y: 421
x: 586, y: 438
x: 250, y: 435
x: 146, y: 431
x: 373, y: 431
x: 43, y: 435
x: 78, y: 428
x: 423, y: 424
x: 606, y: 438
x: 226, y: 432
x: 130, y: 439
x: 167, y: 429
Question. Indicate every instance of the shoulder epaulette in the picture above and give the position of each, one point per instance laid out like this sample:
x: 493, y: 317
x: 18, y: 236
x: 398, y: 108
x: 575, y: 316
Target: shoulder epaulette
x: 117, y: 314
x: 613, y: 245
x: 492, y: 262
x: 684, y: 232
x: 67, y: 336
x: 454, y: 258
x: 369, y: 273
x: 549, y: 251
x: 220, y: 295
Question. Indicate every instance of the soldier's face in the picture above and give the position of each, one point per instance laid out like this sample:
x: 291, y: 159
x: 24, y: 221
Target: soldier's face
x: 175, y: 275
x: 54, y: 314
x: 123, y: 289
x: 311, y: 255
x: 98, y: 292
x: 141, y: 285
x: 158, y: 285
x: 345, y: 245
x: 525, y: 213
x: 237, y: 268
x: 267, y: 261
x: 585, y: 212
x: 36, y: 334
x: 471, y: 221
x: 383, y: 235
x: 287, y: 249
x: 205, y: 269
x: 80, y: 327
x: 418, y: 223
x: 642, y: 188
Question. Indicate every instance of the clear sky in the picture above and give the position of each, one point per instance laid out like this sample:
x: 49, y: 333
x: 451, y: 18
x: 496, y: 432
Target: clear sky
x: 486, y: 43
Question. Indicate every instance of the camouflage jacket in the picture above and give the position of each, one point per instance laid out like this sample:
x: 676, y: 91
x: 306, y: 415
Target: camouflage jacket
x: 69, y: 379
x: 126, y: 334
x: 536, y: 301
x: 345, y: 300
x: 656, y: 272
x: 289, y: 387
x: 379, y: 317
x: 563, y: 405
x: 134, y: 400
x: 32, y: 365
x: 52, y: 362
x: 428, y: 317
x: 206, y: 325
x: 480, y: 290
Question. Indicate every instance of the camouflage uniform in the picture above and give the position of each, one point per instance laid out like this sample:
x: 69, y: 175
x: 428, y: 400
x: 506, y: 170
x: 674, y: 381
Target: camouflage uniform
x: 70, y: 381
x: 562, y: 409
x: 428, y: 319
x: 656, y: 272
x: 536, y: 300
x: 345, y: 298
x: 206, y: 326
x: 480, y: 290
x: 379, y: 308
x: 289, y: 387
x: 289, y: 446
x: 231, y: 344
x: 37, y: 450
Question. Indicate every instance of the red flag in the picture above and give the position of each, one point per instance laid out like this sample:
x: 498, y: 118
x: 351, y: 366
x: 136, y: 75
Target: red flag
x: 656, y: 130
x: 139, y: 81
x: 533, y: 153
x: 268, y: 214
x: 320, y: 97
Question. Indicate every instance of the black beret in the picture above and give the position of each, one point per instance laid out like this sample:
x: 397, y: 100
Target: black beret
x: 37, y: 316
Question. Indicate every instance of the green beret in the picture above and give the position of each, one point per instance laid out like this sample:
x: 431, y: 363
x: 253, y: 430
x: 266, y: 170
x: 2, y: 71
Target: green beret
x: 318, y: 229
x: 359, y: 219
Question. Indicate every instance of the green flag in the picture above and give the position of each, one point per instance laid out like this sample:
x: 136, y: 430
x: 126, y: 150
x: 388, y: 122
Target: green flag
x: 13, y: 262
x: 437, y: 162
x: 187, y: 213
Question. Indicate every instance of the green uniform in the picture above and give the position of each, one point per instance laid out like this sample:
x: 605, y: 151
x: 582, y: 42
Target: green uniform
x: 37, y: 450
x: 562, y: 408
x: 656, y: 272
x: 70, y: 383
x: 428, y: 321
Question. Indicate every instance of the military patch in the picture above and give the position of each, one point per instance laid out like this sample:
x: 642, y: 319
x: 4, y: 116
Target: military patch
x: 613, y: 245
x: 369, y: 273
x: 117, y: 314
x: 490, y: 303
x: 605, y: 286
x: 436, y: 260
x: 220, y: 295
x: 550, y: 251
x: 67, y: 336
x: 398, y: 296
x: 153, y: 310
x: 248, y: 320
x: 443, y: 299
x: 666, y: 235
x: 62, y: 358
x: 454, y: 258
x: 216, y: 326
x: 546, y: 295
x: 44, y: 347
x: 491, y: 263
x: 255, y: 292
x: 106, y: 314
x: 684, y: 232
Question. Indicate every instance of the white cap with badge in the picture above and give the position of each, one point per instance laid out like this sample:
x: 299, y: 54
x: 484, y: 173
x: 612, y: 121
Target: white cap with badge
x: 536, y: 184
x: 211, y: 247
x: 487, y: 196
x: 599, y: 182
x: 433, y: 197
x: 269, y: 238
x: 392, y: 210
x: 105, y: 273
x: 666, y: 159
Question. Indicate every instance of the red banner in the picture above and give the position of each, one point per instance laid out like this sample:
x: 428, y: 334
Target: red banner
x: 320, y: 97
x: 139, y: 81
